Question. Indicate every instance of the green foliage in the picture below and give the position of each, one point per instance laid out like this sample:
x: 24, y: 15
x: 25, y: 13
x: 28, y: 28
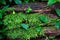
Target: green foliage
x: 44, y: 18
x: 5, y: 8
x: 2, y: 12
x: 28, y: 10
x: 26, y: 1
x: 52, y: 37
x: 1, y: 37
x: 16, y: 1
x: 1, y: 22
x: 47, y: 38
x: 10, y: 0
x: 42, y: 31
x: 58, y: 0
x: 25, y: 26
x: 3, y: 2
x: 57, y: 11
x: 13, y: 19
x: 50, y: 2
x: 44, y: 0
x: 21, y: 33
x: 17, y: 25
x: 22, y: 25
x: 0, y: 16
x: 57, y: 24
x: 38, y: 28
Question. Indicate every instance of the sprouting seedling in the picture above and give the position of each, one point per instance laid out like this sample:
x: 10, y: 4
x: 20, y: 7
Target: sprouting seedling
x: 13, y: 12
x: 28, y: 9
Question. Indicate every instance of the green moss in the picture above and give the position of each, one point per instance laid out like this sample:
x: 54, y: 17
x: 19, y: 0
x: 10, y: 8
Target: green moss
x: 13, y: 25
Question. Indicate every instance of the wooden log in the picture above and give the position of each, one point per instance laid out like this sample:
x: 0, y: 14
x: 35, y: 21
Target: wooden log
x: 36, y: 7
x: 51, y: 32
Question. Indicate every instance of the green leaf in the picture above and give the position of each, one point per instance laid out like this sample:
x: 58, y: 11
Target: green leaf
x: 18, y: 1
x: 44, y: 0
x: 1, y: 37
x: 25, y: 26
x: 1, y: 22
x: 43, y: 18
x: 10, y: 9
x: 3, y: 2
x: 33, y: 0
x: 50, y: 2
x: 57, y: 11
x: 1, y: 11
x: 10, y: 0
x: 26, y: 1
x: 0, y: 15
x: 58, y: 0
x: 51, y: 37
x: 38, y: 28
x: 5, y: 8
x: 57, y: 24
x: 28, y: 10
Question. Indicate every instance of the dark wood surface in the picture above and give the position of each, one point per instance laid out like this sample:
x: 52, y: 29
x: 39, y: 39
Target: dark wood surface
x: 36, y: 7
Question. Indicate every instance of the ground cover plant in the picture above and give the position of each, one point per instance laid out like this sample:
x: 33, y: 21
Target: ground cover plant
x: 29, y: 25
x: 23, y: 22
x: 26, y: 25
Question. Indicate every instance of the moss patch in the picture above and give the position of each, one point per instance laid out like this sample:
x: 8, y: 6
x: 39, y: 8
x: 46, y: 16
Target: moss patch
x: 15, y: 30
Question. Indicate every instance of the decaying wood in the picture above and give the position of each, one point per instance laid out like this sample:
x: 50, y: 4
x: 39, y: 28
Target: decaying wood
x: 51, y: 32
x: 36, y: 7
